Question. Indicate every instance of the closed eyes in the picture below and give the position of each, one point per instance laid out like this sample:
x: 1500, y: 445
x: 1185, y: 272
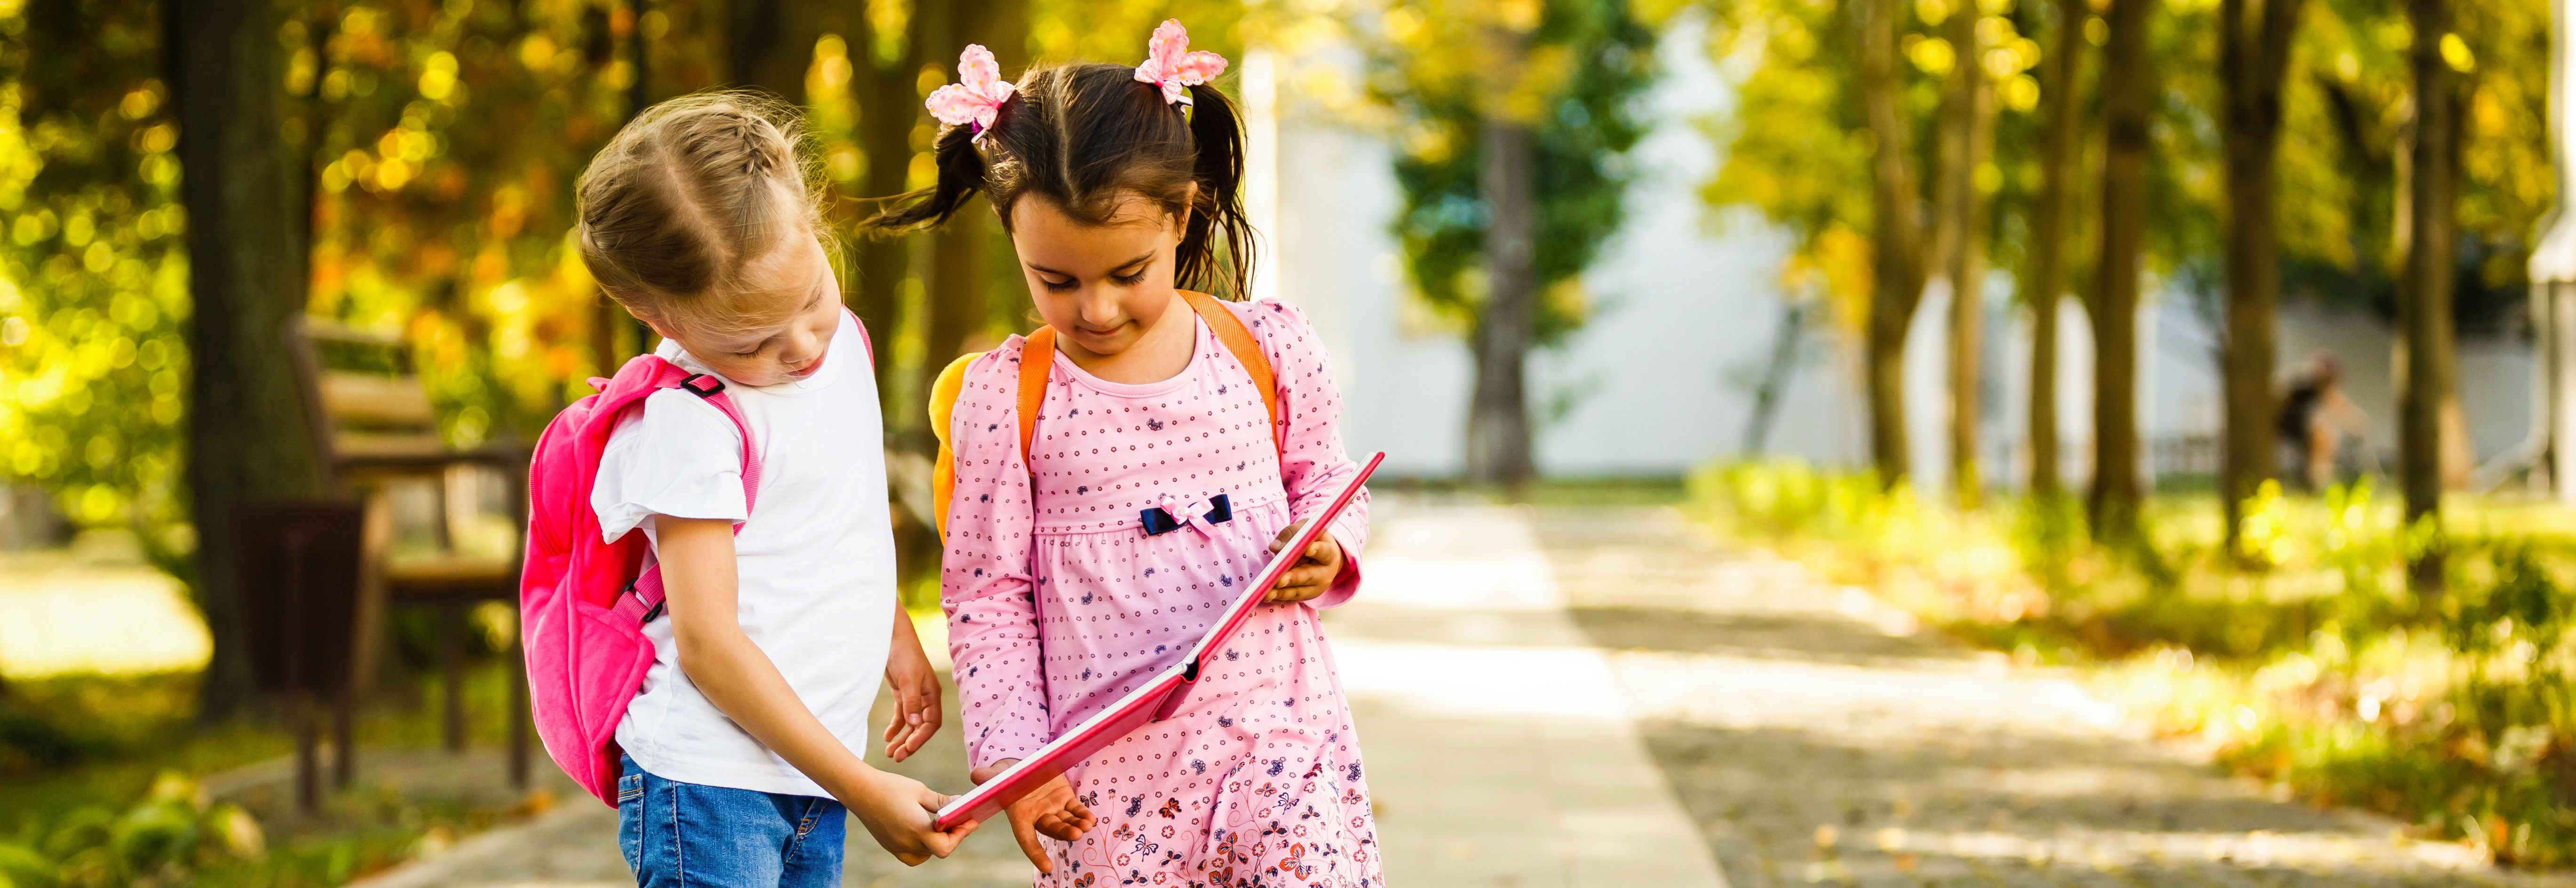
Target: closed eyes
x: 1124, y: 280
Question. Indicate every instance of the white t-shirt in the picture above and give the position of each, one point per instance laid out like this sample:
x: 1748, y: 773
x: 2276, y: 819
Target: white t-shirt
x: 816, y: 557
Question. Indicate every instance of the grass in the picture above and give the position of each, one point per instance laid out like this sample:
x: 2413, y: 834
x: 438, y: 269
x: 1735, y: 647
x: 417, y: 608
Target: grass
x: 1606, y: 490
x: 109, y: 793
x: 2301, y: 658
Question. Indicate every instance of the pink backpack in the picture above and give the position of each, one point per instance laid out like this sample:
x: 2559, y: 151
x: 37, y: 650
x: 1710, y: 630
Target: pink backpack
x: 583, y: 603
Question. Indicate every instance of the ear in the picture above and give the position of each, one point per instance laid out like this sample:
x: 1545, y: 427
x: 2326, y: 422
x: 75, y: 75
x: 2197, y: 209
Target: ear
x: 1189, y: 204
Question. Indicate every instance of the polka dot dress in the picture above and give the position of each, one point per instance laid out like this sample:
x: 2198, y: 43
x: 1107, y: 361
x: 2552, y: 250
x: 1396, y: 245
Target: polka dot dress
x: 1059, y: 603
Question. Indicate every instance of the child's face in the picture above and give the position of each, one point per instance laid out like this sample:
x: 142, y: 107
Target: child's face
x: 1100, y: 286
x: 798, y: 279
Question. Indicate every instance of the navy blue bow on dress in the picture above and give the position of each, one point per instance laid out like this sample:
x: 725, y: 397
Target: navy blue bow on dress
x: 1159, y: 520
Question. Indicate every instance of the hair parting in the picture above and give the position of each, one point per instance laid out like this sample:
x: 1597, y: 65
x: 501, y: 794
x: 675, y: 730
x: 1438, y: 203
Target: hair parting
x: 687, y: 198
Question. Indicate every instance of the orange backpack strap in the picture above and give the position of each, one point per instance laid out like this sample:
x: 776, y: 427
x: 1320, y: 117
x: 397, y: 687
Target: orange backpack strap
x: 943, y: 404
x: 1237, y: 338
x: 1037, y: 356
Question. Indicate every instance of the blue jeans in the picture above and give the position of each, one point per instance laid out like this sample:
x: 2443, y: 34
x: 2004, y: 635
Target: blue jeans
x: 683, y: 835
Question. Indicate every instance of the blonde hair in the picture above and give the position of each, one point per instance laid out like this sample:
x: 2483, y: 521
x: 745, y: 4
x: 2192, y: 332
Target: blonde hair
x: 687, y: 197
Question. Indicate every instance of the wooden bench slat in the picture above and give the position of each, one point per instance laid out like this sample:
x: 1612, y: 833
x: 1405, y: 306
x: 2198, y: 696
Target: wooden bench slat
x: 377, y: 400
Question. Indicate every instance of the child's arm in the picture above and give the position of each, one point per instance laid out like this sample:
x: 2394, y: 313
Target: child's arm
x: 1313, y: 465
x: 988, y: 589
x: 699, y: 578
x: 916, y: 690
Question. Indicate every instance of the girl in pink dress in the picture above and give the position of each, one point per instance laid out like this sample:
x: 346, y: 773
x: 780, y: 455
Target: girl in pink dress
x: 1153, y: 486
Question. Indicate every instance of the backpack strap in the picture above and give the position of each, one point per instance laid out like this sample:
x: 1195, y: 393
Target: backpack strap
x: 1037, y: 356
x: 1238, y: 339
x: 643, y: 599
x: 943, y: 404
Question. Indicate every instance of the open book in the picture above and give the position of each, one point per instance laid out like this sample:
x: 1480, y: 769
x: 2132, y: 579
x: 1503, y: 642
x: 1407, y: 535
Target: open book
x: 1159, y: 696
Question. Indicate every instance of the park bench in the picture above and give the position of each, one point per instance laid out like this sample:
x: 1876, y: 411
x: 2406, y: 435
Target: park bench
x: 377, y: 429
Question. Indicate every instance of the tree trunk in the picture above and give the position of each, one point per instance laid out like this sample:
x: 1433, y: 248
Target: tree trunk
x: 2128, y: 95
x: 2062, y: 115
x: 1776, y: 374
x: 1896, y: 260
x: 1967, y: 138
x: 608, y: 317
x: 959, y: 301
x: 889, y: 107
x: 2426, y: 289
x: 248, y: 435
x: 1498, y: 423
x: 2253, y: 62
x: 769, y: 45
x: 1498, y: 426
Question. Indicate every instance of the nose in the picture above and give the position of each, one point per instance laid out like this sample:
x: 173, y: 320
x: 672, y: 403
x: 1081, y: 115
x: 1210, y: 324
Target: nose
x: 800, y: 347
x: 1098, y: 307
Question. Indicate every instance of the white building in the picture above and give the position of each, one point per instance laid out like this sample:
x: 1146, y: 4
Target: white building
x: 1691, y: 304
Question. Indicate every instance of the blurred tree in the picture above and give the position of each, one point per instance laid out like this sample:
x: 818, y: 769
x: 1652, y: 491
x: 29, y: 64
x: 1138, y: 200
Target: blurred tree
x: 93, y: 279
x: 2054, y: 207
x: 1515, y: 119
x: 439, y: 216
x: 2254, y: 60
x: 1498, y: 424
x: 2426, y: 290
x: 888, y: 66
x: 2128, y: 98
x: 961, y: 288
x: 769, y: 44
x: 1959, y: 228
x: 250, y: 438
x: 1897, y: 268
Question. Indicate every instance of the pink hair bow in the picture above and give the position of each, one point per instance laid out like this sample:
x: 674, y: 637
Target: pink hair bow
x: 977, y: 97
x: 1170, y: 65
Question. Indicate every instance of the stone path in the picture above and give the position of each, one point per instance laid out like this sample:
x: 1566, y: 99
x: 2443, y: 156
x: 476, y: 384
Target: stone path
x: 575, y: 845
x: 1816, y: 737
x: 1498, y: 752
x: 1578, y: 697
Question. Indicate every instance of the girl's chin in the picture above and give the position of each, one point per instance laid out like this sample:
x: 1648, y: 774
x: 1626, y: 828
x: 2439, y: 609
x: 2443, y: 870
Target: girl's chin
x: 1104, y: 345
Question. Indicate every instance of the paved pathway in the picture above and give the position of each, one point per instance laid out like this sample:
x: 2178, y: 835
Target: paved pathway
x: 1498, y: 751
x: 1817, y: 738
x: 1577, y: 697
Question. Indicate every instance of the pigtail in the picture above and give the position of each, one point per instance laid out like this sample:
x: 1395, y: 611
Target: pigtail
x: 961, y: 177
x: 1218, y: 220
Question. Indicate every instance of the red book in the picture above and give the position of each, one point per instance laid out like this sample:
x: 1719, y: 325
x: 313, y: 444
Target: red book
x: 1157, y: 698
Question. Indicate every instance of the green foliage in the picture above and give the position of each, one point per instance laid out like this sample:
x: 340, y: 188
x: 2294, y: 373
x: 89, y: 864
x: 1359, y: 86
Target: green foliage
x: 1586, y: 65
x: 1796, y: 153
x: 167, y: 837
x: 93, y: 279
x: 437, y: 215
x: 2300, y: 659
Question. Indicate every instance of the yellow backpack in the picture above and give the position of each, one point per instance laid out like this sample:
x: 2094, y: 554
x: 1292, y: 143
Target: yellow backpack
x: 1229, y: 331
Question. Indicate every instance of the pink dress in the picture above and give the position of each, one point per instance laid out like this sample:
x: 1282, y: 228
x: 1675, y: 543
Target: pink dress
x: 1058, y: 607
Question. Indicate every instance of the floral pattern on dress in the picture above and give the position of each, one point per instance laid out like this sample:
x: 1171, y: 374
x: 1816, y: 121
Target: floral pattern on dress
x: 1059, y: 604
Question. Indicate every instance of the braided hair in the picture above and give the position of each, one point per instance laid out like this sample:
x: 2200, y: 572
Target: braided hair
x: 690, y: 194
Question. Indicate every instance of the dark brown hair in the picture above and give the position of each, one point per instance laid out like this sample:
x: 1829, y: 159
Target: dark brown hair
x: 1085, y: 136
x: 690, y: 193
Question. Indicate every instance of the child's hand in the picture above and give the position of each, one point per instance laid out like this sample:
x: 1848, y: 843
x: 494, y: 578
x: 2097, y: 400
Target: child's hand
x: 897, y: 811
x: 1313, y: 573
x: 916, y: 695
x: 1051, y: 810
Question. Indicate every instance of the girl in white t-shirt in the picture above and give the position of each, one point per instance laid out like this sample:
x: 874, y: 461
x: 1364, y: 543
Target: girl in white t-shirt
x: 740, y: 751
